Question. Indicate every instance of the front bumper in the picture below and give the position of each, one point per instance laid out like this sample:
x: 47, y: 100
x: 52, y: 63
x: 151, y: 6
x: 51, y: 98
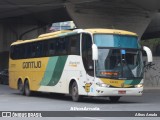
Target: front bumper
x: 103, y: 91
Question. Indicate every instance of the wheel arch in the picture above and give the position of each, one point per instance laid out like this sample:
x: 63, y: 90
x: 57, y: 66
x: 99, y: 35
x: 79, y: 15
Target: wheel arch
x: 19, y: 80
x: 70, y: 84
x: 26, y: 79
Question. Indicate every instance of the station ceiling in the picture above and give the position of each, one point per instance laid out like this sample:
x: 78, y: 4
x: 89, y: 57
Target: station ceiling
x: 50, y: 11
x: 33, y: 11
x: 46, y: 11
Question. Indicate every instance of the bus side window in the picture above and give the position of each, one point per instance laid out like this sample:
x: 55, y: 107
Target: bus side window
x: 62, y: 46
x: 51, y: 50
x: 13, y: 52
x: 57, y: 52
x: 74, y: 45
x: 28, y: 50
x: 87, y: 54
x: 39, y: 48
x: 45, y: 48
x: 17, y: 52
x: 22, y: 51
x: 33, y: 53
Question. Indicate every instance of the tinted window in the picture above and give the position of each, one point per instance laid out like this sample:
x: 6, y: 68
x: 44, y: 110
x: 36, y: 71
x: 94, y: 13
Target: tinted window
x: 74, y: 45
x: 120, y: 41
x: 51, y: 47
x: 69, y: 45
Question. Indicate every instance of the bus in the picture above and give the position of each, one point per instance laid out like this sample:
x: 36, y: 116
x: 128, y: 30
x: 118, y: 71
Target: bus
x: 80, y: 62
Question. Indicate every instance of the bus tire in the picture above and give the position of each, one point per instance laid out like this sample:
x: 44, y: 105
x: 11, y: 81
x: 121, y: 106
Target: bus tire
x: 74, y: 92
x: 27, y: 90
x: 114, y: 99
x: 21, y: 87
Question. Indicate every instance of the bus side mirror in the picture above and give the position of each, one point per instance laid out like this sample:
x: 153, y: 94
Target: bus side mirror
x: 149, y: 54
x: 94, y: 52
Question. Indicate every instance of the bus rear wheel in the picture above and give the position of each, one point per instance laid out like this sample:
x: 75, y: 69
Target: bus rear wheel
x: 27, y: 90
x: 75, y: 95
x: 114, y: 99
x: 20, y: 87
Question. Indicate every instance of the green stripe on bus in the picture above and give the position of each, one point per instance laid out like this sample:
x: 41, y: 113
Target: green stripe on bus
x: 58, y: 70
x: 54, y: 70
x: 49, y: 70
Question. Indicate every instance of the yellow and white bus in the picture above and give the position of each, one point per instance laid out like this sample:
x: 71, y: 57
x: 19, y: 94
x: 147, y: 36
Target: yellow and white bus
x: 82, y: 62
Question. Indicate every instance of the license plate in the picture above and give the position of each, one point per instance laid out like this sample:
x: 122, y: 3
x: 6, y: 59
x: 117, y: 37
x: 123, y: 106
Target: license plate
x: 122, y: 92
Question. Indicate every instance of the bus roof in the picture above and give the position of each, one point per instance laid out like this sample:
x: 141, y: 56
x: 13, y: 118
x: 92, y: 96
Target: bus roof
x: 68, y: 32
x: 111, y: 31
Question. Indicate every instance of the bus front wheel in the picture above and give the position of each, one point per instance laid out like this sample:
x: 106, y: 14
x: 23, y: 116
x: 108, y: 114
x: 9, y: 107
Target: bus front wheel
x: 114, y: 99
x: 75, y: 94
x: 27, y: 90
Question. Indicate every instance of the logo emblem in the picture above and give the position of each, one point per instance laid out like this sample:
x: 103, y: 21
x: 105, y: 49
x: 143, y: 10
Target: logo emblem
x: 122, y: 85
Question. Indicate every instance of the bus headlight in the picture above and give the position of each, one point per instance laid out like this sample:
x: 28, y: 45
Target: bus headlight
x: 139, y: 86
x: 102, y: 85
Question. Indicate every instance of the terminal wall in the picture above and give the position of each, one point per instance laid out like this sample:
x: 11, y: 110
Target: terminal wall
x: 152, y: 74
x: 12, y: 32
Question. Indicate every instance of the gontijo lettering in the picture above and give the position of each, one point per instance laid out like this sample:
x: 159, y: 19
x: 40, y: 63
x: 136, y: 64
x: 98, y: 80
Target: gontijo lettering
x: 32, y: 64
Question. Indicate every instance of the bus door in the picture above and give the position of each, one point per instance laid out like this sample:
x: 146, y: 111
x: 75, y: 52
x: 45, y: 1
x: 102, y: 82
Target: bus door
x: 87, y: 61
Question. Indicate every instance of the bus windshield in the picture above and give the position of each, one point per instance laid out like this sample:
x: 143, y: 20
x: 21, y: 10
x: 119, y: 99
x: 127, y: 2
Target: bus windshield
x: 119, y: 41
x: 118, y: 58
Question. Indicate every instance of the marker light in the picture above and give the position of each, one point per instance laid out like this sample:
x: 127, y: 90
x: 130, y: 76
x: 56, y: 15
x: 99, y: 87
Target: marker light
x: 110, y: 73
